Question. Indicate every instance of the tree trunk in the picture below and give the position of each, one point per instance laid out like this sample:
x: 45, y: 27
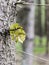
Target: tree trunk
x: 28, y: 60
x: 43, y: 17
x: 7, y: 46
x: 47, y: 27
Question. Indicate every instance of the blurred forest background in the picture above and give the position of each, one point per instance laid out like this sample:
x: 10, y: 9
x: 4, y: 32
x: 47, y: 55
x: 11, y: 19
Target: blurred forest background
x: 37, y: 41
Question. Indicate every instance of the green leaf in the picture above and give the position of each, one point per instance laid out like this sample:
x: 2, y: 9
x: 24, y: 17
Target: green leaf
x: 19, y: 34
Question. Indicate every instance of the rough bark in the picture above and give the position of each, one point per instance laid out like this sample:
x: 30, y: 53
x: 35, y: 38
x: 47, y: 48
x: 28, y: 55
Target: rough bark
x: 7, y: 17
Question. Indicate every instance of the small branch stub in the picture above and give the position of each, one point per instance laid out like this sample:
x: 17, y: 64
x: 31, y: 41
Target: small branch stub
x: 29, y: 3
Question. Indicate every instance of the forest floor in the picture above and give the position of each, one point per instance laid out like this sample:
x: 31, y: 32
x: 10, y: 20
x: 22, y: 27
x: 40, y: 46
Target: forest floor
x: 41, y: 60
x: 40, y: 51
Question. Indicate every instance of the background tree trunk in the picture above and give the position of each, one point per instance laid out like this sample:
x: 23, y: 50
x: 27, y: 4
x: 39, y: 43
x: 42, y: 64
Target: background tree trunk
x: 47, y: 27
x: 28, y: 60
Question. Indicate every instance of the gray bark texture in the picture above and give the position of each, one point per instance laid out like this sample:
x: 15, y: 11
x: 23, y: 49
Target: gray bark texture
x: 7, y: 17
x: 28, y: 59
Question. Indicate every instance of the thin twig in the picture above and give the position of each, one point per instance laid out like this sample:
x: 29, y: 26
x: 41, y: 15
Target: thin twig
x: 35, y: 56
x: 27, y: 3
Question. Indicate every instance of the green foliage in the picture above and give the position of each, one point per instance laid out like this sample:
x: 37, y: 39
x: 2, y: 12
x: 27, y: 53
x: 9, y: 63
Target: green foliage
x: 18, y: 48
x: 37, y: 40
x: 37, y: 48
x: 19, y: 34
